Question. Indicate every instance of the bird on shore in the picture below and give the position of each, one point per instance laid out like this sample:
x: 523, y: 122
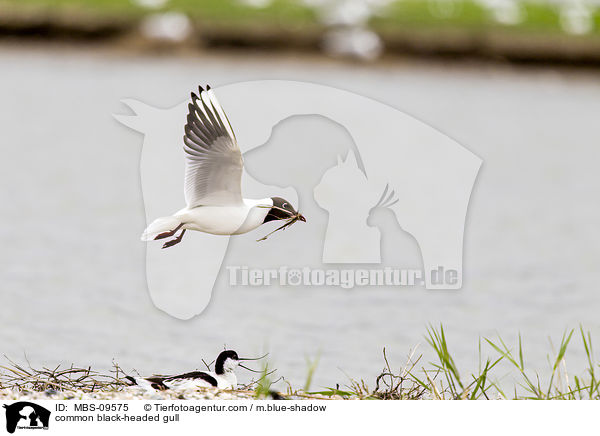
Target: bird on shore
x: 212, y: 187
x: 223, y: 377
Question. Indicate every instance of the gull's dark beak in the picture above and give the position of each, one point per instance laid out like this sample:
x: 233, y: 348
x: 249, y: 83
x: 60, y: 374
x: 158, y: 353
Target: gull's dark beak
x: 301, y: 218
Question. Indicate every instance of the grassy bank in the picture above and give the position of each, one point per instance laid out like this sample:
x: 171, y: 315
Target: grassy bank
x: 407, y: 26
x: 413, y: 380
x: 538, y: 17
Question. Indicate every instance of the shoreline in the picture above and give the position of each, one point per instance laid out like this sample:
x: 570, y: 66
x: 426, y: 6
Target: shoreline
x: 438, y: 380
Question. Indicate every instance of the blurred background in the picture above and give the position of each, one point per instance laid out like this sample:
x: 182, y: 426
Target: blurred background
x: 516, y: 82
x: 518, y: 30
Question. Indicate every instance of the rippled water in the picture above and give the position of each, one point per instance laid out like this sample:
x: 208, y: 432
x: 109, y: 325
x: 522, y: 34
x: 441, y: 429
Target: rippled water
x: 72, y: 278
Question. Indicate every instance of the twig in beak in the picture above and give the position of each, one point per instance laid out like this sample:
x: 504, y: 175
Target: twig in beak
x: 291, y: 220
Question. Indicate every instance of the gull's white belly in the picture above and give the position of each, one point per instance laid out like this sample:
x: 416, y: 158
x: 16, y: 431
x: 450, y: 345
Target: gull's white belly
x: 221, y: 220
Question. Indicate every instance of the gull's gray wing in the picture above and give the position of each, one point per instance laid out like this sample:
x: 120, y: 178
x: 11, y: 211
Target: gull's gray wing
x: 213, y: 160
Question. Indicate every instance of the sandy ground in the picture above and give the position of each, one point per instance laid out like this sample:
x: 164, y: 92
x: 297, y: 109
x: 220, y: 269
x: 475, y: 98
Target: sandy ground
x: 136, y: 393
x: 126, y: 394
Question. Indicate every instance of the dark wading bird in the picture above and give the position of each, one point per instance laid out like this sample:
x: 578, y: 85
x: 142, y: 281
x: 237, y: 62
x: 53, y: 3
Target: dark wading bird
x: 213, y: 176
x: 223, y: 377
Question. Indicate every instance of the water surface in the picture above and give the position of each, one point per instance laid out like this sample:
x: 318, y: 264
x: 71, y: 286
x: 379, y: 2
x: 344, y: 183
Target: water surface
x: 72, y: 280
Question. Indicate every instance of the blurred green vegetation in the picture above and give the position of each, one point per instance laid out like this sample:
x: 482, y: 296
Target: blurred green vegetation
x: 399, y: 15
x: 417, y: 25
x: 215, y: 12
x: 469, y: 15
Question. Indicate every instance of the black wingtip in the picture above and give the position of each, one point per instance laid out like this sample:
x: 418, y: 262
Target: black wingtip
x: 201, y: 89
x: 191, y: 110
x: 208, y: 87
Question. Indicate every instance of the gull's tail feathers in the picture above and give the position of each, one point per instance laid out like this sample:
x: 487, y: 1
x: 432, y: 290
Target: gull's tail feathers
x: 160, y: 225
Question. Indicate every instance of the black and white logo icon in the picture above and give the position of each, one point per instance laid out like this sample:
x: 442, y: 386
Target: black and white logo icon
x: 26, y: 415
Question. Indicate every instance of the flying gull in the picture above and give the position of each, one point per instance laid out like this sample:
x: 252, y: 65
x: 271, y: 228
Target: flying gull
x: 213, y: 175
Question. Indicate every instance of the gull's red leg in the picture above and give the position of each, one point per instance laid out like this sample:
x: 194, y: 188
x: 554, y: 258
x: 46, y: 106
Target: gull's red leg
x: 168, y: 234
x: 175, y: 241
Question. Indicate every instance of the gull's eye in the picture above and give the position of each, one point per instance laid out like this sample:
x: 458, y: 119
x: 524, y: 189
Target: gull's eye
x: 284, y: 205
